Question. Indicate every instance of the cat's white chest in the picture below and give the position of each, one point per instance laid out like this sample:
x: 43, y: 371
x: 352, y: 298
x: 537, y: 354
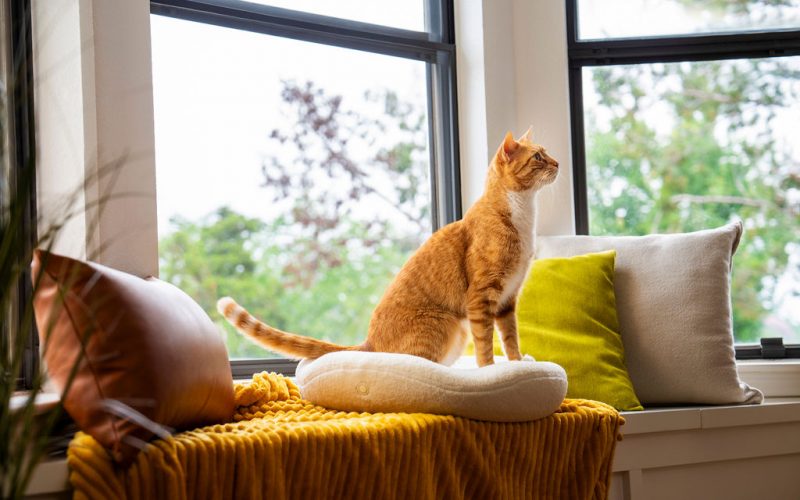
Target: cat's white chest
x: 523, y: 218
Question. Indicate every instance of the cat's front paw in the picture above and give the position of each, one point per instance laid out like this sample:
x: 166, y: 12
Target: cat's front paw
x: 528, y: 357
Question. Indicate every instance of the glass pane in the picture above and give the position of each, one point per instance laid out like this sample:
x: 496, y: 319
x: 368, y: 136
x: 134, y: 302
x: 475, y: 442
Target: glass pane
x: 601, y: 19
x: 286, y: 179
x: 406, y: 14
x: 687, y: 146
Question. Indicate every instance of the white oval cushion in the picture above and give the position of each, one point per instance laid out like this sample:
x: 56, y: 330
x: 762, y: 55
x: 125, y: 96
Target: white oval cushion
x: 380, y: 382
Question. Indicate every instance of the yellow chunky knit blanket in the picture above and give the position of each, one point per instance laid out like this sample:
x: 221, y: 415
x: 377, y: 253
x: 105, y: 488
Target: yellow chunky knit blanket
x: 280, y: 446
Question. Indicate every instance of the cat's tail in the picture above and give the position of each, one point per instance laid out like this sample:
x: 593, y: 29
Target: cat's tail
x: 289, y: 344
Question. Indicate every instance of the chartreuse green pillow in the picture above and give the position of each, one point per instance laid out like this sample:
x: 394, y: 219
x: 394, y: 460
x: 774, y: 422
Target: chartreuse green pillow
x: 567, y: 314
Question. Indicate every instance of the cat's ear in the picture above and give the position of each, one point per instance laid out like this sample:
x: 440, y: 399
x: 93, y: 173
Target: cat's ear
x: 528, y: 135
x: 508, y: 147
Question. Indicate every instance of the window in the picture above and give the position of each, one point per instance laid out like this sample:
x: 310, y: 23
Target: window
x: 688, y: 123
x: 300, y: 157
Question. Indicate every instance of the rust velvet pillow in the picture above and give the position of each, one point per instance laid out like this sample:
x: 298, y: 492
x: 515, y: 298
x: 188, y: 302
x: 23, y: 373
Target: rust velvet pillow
x: 151, y: 354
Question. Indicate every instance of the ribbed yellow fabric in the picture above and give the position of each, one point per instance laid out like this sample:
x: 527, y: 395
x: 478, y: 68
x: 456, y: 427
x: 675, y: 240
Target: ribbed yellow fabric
x: 280, y: 446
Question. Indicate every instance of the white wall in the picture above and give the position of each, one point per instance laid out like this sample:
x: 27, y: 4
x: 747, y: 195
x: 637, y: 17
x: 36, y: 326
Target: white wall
x: 58, y: 95
x: 94, y: 107
x: 512, y: 73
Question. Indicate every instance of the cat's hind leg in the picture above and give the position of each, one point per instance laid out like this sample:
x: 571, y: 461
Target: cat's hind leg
x: 506, y: 321
x: 437, y: 336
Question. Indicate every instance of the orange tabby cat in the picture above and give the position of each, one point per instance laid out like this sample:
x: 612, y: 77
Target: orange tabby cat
x: 465, y: 277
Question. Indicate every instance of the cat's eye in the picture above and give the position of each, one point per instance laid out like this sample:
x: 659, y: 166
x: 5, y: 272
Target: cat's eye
x: 538, y: 157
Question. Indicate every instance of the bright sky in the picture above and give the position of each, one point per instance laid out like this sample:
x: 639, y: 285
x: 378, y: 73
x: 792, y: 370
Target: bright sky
x: 630, y: 18
x: 405, y: 14
x: 217, y: 98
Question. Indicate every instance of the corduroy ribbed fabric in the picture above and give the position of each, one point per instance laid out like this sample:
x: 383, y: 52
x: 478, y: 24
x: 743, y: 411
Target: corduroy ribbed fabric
x: 280, y: 446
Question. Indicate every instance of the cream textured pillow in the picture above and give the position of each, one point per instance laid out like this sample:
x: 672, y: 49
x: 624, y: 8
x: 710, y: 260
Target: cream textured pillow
x: 382, y: 382
x: 673, y: 303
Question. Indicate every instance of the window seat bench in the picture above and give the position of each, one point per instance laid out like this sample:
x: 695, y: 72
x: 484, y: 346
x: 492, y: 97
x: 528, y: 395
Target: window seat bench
x: 709, y: 452
x: 702, y: 452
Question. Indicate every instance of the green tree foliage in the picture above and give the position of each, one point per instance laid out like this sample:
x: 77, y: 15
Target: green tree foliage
x: 722, y: 8
x: 367, y: 166
x: 687, y: 146
x: 227, y: 253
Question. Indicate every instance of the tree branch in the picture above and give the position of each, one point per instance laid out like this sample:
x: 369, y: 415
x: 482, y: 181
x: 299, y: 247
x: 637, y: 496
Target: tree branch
x: 719, y: 199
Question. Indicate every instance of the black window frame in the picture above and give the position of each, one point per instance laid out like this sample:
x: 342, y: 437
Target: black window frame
x: 660, y: 49
x: 435, y: 46
x: 20, y: 131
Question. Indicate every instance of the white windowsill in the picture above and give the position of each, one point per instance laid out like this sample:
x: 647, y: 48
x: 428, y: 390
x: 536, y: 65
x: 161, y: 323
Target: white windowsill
x: 44, y: 401
x: 667, y: 419
x: 774, y: 377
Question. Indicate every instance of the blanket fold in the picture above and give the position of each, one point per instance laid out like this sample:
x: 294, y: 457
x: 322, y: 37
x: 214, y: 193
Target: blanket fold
x: 281, y: 446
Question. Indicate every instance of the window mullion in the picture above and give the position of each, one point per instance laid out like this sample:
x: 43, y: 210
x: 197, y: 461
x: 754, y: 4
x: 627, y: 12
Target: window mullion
x: 578, y: 151
x: 684, y: 48
x: 443, y: 132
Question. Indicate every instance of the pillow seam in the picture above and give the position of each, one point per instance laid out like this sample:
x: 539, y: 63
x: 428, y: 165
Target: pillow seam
x: 83, y: 348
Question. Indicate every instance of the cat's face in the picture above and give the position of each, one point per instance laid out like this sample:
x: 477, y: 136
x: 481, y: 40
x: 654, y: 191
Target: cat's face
x: 523, y: 165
